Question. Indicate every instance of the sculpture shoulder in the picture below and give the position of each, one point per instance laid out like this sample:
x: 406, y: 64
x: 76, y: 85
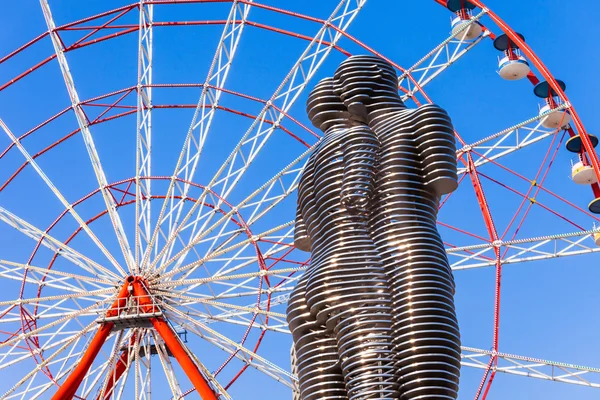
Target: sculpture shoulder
x: 432, y: 110
x: 359, y: 131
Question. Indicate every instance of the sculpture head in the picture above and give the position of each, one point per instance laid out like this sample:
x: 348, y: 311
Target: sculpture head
x: 365, y: 83
x: 324, y: 108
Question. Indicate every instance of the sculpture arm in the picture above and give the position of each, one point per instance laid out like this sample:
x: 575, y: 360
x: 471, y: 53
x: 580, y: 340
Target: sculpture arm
x: 434, y: 136
x: 301, y: 238
x: 360, y: 156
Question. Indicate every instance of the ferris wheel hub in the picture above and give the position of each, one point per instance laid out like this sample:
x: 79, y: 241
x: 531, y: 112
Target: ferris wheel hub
x: 137, y: 311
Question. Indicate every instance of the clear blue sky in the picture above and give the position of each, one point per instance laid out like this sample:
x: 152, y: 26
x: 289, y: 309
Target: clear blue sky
x: 548, y: 309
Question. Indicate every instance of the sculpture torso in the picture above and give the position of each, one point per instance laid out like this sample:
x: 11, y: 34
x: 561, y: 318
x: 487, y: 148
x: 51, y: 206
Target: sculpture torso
x: 340, y: 237
x: 345, y: 287
x: 405, y: 204
x: 417, y: 165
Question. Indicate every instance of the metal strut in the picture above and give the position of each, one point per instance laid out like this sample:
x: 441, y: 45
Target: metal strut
x: 135, y: 286
x: 174, y: 344
x: 68, y: 389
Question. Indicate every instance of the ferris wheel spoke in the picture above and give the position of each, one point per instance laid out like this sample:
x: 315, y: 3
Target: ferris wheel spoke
x: 241, y: 319
x: 279, y: 243
x: 92, y: 379
x: 117, y: 365
x: 60, y: 196
x: 533, y: 367
x: 285, y: 96
x: 271, y: 303
x: 292, y: 86
x: 214, y: 254
x: 143, y: 130
x: 522, y: 250
x: 202, y: 119
x: 251, y: 292
x: 224, y: 277
x: 70, y: 343
x: 272, y: 192
x: 241, y: 352
x: 125, y: 375
x: 120, y: 374
x: 66, y: 317
x: 53, y: 283
x: 92, y: 376
x: 9, y: 266
x: 163, y: 356
x: 82, y: 294
x: 216, y: 79
x: 226, y: 272
x: 235, y: 262
x: 136, y: 366
x: 440, y: 58
x: 34, y: 391
x: 509, y: 140
x: 188, y: 302
x: 87, y: 137
x: 142, y: 364
x: 12, y: 356
x: 55, y: 245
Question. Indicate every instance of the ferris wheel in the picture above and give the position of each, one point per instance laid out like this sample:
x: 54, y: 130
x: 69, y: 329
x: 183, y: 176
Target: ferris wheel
x: 149, y: 158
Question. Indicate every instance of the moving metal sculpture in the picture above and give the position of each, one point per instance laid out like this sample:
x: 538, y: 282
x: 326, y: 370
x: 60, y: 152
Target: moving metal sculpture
x: 373, y: 316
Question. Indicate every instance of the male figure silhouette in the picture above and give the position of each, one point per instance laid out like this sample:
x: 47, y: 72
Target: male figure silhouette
x: 342, y: 302
x: 417, y: 165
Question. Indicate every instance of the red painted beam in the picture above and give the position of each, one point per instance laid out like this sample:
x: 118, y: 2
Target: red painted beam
x: 491, y: 228
x: 173, y: 343
x: 68, y: 389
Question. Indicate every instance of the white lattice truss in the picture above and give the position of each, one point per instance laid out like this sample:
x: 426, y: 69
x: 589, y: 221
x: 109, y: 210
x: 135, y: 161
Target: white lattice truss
x: 144, y: 133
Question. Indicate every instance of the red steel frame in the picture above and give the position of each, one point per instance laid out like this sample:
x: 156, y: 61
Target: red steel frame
x: 68, y: 389
x: 136, y: 286
x: 128, y: 198
x: 173, y: 343
x: 474, y: 175
x: 122, y: 362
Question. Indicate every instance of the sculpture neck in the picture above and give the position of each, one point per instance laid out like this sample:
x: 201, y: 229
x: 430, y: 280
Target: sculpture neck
x: 334, y: 125
x: 383, y: 102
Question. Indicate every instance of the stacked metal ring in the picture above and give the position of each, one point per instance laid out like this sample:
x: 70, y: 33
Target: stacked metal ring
x: 346, y: 287
x: 316, y: 360
x: 417, y: 165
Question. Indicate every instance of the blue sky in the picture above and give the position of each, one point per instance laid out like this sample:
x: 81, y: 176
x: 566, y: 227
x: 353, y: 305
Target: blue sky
x: 548, y: 307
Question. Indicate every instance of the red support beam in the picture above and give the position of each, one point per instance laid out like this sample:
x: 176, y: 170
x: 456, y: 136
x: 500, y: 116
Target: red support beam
x: 68, y: 389
x: 491, y: 228
x: 173, y: 343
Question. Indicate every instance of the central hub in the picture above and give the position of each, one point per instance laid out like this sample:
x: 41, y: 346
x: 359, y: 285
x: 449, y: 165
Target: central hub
x: 135, y: 307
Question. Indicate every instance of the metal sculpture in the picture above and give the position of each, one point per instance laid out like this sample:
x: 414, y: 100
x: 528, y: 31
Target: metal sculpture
x: 340, y: 312
x: 417, y: 165
x: 375, y: 308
